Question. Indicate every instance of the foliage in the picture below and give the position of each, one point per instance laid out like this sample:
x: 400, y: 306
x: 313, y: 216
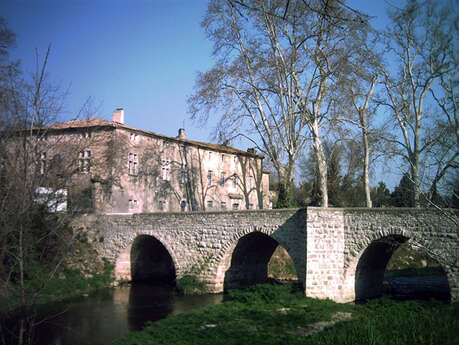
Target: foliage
x: 280, y: 314
x: 414, y: 272
x: 74, y: 282
x: 407, y: 257
x: 191, y: 285
x: 37, y: 173
x: 380, y: 195
x: 284, y: 199
x: 402, y: 196
x: 281, y: 266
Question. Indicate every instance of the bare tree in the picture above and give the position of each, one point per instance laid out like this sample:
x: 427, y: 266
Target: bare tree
x: 359, y: 93
x: 419, y: 44
x: 276, y: 65
x: 36, y: 169
x: 445, y: 94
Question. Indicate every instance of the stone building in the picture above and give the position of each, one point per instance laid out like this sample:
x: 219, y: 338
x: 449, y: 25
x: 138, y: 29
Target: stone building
x: 121, y: 169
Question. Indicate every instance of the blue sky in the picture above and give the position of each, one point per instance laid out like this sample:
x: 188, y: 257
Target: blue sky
x: 140, y: 55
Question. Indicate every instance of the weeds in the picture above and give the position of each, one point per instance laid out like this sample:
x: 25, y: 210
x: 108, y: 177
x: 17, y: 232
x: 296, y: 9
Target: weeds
x: 280, y: 314
x: 190, y: 285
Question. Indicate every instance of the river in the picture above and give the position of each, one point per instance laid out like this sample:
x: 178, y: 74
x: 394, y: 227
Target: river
x: 107, y: 314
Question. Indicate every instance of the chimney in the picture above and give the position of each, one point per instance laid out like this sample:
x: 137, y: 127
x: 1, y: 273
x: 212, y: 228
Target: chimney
x: 252, y: 150
x: 181, y: 133
x: 118, y: 115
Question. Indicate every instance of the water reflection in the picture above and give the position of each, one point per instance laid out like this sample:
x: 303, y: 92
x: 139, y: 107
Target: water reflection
x: 108, y: 314
x: 147, y: 304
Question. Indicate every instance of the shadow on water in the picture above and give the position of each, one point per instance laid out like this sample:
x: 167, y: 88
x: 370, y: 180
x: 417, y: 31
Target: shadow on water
x: 106, y: 315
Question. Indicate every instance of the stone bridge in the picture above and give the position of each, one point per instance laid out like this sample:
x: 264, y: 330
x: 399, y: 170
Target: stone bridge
x: 339, y: 254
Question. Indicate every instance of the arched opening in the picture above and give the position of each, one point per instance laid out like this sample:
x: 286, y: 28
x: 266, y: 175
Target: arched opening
x: 249, y: 261
x: 411, y: 273
x: 151, y: 262
x: 281, y: 266
x: 391, y: 266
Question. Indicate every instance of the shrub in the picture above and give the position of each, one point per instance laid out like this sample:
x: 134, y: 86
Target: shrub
x: 191, y: 285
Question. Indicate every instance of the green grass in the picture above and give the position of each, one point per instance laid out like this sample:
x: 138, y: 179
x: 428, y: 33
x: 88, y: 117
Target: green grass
x: 70, y: 283
x: 280, y: 314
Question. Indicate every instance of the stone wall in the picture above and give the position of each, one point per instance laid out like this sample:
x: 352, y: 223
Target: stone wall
x: 200, y: 243
x: 435, y: 231
x: 348, y: 249
x: 325, y: 253
x: 338, y: 253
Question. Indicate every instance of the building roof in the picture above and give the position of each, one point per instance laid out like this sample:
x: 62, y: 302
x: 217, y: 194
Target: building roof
x: 97, y: 122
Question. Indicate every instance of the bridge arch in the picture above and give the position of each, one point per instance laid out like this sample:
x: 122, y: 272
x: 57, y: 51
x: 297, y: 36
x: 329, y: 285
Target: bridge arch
x: 244, y: 259
x: 364, y: 274
x: 146, y: 258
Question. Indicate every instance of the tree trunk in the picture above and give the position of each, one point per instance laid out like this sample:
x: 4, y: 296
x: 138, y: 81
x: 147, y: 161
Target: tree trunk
x: 366, y: 165
x: 415, y: 180
x: 321, y: 166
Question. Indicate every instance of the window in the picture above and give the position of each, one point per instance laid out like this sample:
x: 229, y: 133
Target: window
x: 162, y: 205
x: 42, y: 163
x: 210, y: 204
x: 250, y: 206
x: 85, y: 135
x: 134, y: 137
x: 183, y: 205
x: 251, y: 182
x: 133, y: 204
x: 184, y: 174
x: 235, y: 159
x: 166, y: 170
x: 210, y: 155
x: 223, y: 205
x: 223, y: 158
x: 209, y: 178
x: 234, y: 180
x: 235, y: 206
x: 84, y: 161
x: 223, y: 180
x: 133, y: 164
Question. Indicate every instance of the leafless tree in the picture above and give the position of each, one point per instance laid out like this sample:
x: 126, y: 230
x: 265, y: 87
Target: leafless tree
x: 358, y: 91
x: 445, y: 94
x: 277, y: 63
x: 420, y: 41
x: 36, y: 168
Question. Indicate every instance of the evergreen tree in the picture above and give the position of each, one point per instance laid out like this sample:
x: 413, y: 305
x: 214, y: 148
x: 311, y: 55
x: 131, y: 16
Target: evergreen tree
x: 380, y: 195
x: 402, y: 196
x: 334, y: 178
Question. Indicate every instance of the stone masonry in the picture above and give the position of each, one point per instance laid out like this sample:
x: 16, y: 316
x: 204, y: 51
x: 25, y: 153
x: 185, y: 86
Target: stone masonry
x: 339, y: 254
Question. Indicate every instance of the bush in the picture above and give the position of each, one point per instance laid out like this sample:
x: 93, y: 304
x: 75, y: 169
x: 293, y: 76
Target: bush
x: 190, y: 285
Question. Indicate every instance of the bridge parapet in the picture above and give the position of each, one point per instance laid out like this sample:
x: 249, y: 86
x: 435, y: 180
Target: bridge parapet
x: 348, y: 248
x: 329, y: 247
x: 198, y: 242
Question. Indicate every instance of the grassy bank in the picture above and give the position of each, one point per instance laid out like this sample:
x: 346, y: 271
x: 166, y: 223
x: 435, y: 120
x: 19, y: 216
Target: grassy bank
x: 269, y: 314
x: 70, y: 283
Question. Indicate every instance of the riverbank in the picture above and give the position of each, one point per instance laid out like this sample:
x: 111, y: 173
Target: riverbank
x: 70, y: 284
x: 280, y: 314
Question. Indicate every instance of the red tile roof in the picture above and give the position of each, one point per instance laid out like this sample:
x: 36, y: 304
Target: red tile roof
x: 97, y: 122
